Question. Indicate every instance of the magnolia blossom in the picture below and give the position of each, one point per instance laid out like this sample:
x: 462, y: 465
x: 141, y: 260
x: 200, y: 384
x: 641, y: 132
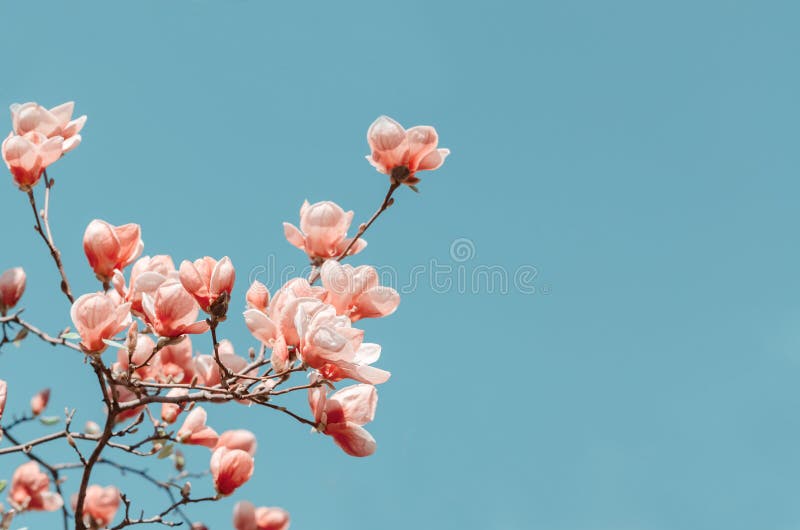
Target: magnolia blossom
x: 147, y: 274
x: 176, y: 363
x: 239, y: 439
x: 110, y: 247
x: 100, y: 505
x: 56, y: 122
x: 330, y: 344
x: 99, y: 316
x: 323, y: 231
x: 30, y: 490
x: 28, y: 156
x: 39, y: 401
x: 170, y: 411
x: 124, y: 395
x: 274, y: 325
x: 12, y: 285
x: 207, y: 279
x: 248, y: 517
x: 342, y: 415
x: 400, y: 153
x: 230, y: 468
x: 147, y: 365
x: 257, y: 296
x: 172, y: 311
x: 355, y: 292
x: 194, y: 430
x: 3, y: 396
x: 207, y: 369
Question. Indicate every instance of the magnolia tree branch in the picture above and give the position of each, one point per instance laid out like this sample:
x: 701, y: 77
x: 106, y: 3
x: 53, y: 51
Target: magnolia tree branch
x: 47, y: 236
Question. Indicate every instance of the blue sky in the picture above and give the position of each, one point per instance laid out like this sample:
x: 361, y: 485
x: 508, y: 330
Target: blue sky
x: 640, y: 156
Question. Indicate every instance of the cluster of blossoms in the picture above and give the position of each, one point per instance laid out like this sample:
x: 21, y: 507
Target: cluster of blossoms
x: 147, y: 309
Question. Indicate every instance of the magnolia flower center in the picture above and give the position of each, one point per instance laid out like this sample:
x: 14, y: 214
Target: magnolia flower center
x: 400, y: 173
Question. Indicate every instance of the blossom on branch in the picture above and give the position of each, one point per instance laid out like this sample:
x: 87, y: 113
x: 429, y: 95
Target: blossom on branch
x: 56, y: 122
x: 12, y: 286
x: 147, y: 274
x: 323, y: 231
x: 194, y: 430
x: 239, y: 439
x: 109, y: 248
x: 28, y: 156
x: 342, y: 415
x: 400, y: 153
x: 207, y: 280
x: 172, y: 311
x: 230, y: 468
x: 99, y: 316
x: 30, y: 490
x: 355, y: 292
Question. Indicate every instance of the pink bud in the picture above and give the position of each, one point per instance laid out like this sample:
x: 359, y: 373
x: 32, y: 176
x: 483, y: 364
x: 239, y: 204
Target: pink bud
x: 239, y: 439
x: 92, y: 428
x: 12, y: 285
x: 206, y: 279
x: 39, y: 401
x: 3, y: 396
x: 258, y: 296
x: 109, y: 247
x: 230, y: 468
x: 195, y: 432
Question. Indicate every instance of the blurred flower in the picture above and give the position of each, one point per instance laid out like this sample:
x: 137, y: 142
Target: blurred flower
x: 230, y: 468
x: 100, y: 505
x: 30, y: 490
x: 194, y: 430
x: 39, y: 401
x: 248, y: 517
x: 239, y: 439
x: 12, y: 285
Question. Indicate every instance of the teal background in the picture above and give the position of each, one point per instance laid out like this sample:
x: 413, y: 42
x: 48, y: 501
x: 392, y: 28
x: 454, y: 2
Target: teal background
x: 641, y: 155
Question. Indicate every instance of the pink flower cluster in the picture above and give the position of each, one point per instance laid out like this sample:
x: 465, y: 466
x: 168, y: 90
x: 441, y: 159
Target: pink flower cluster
x: 40, y: 137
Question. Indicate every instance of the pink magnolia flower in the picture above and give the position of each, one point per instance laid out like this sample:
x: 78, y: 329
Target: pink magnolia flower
x: 143, y: 351
x: 230, y: 468
x: 170, y: 411
x: 275, y: 326
x: 329, y: 343
x: 239, y: 439
x: 12, y: 285
x: 31, y: 117
x: 400, y: 153
x: 172, y: 311
x: 39, y: 401
x: 99, y: 316
x: 355, y: 292
x: 257, y: 296
x: 109, y: 247
x: 342, y: 415
x: 206, y: 279
x: 147, y: 274
x: 30, y: 490
x: 248, y: 517
x: 176, y: 363
x: 3, y: 396
x: 323, y: 231
x: 125, y: 395
x: 194, y: 430
x: 207, y: 369
x: 100, y: 505
x: 28, y: 156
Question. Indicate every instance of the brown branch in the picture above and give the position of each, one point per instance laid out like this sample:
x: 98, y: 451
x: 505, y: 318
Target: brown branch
x: 47, y: 236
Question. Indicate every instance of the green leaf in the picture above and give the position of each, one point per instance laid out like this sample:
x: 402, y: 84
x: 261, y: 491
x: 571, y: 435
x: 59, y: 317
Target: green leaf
x: 49, y: 420
x: 115, y: 344
x: 416, y: 189
x: 165, y: 452
x: 3, y: 484
x: 71, y: 336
